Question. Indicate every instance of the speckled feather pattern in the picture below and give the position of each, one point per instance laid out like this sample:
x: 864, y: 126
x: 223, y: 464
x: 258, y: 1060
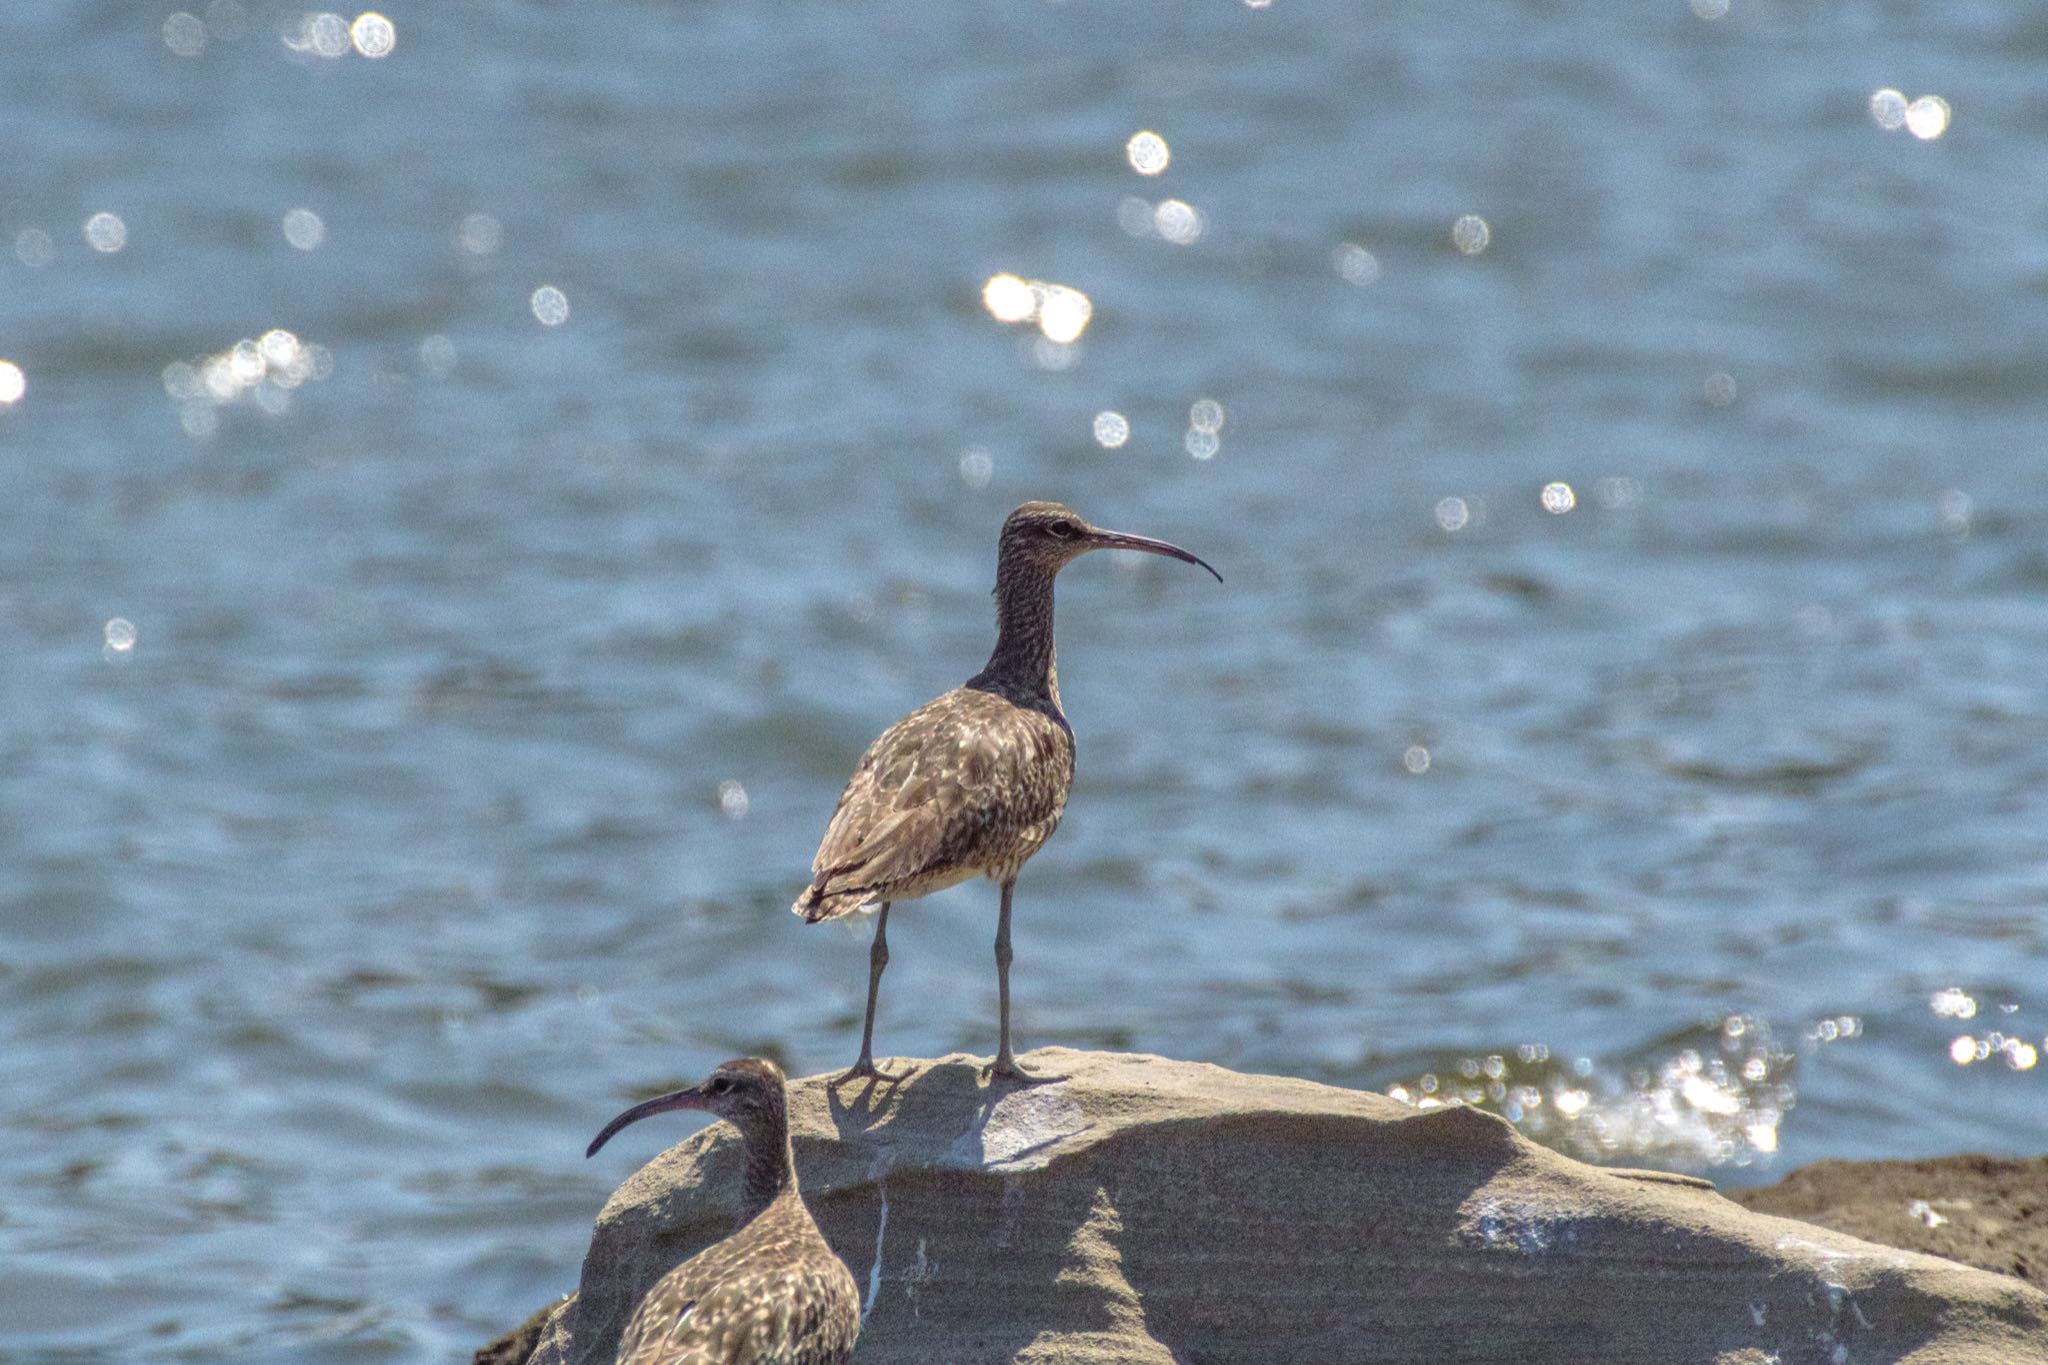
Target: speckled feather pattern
x: 773, y: 1293
x: 971, y: 784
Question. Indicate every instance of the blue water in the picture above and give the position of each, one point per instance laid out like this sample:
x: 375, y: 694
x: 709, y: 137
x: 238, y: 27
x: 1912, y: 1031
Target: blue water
x: 490, y: 682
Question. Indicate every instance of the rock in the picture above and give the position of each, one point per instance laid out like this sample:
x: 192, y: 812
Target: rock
x: 516, y: 1346
x: 1157, y: 1211
x: 1986, y: 1211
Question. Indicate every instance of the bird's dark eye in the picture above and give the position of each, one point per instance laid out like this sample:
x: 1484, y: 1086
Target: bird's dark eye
x: 1062, y: 530
x: 719, y: 1086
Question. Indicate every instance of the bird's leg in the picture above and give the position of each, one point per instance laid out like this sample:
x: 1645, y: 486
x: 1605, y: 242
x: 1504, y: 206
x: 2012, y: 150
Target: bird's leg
x: 1005, y: 1064
x: 878, y: 958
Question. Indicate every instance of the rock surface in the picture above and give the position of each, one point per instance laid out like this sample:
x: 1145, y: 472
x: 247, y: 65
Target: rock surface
x: 1982, y: 1210
x: 1157, y: 1211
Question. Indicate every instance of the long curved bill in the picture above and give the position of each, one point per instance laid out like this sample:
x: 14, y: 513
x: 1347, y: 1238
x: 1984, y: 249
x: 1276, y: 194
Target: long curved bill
x: 693, y: 1098
x: 1099, y: 539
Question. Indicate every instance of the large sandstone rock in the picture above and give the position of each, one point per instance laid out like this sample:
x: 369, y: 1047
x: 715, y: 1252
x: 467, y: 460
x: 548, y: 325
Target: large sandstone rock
x: 1158, y: 1211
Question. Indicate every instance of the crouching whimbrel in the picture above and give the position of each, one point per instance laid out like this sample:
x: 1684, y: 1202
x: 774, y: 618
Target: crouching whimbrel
x: 972, y: 783
x: 773, y: 1293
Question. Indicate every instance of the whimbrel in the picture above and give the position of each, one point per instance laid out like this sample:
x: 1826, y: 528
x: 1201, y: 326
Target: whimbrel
x: 772, y: 1293
x: 972, y: 783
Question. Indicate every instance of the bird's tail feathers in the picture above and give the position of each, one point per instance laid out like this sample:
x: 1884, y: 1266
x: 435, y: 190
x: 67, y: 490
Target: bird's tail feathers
x: 817, y: 904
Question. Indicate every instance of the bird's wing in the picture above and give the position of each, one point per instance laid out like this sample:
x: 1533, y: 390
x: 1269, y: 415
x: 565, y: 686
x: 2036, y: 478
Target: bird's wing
x: 926, y: 792
x: 771, y: 1315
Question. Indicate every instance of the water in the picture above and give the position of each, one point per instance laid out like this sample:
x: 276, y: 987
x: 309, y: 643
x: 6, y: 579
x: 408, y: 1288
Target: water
x: 487, y: 683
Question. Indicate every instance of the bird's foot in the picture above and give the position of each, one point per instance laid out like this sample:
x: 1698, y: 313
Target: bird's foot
x: 865, y: 1069
x: 1005, y: 1068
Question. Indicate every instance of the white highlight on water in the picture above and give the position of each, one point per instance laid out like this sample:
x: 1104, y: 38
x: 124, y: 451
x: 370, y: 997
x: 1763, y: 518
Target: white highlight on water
x: 373, y: 35
x: 106, y: 233
x: 550, y: 306
x: 303, y: 229
x: 1148, y: 153
x: 977, y: 467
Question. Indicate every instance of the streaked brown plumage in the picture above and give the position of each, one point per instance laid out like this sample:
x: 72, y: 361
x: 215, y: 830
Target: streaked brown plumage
x: 972, y: 783
x: 774, y: 1292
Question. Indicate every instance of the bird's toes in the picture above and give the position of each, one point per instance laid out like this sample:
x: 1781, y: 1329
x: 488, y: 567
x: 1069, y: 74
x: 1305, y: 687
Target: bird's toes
x: 865, y: 1070
x: 1007, y: 1069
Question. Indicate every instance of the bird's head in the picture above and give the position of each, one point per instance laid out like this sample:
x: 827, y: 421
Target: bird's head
x: 747, y: 1093
x: 1046, y: 535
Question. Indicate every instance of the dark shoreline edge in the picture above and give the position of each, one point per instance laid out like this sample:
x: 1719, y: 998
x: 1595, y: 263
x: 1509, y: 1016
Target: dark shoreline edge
x: 1984, y: 1211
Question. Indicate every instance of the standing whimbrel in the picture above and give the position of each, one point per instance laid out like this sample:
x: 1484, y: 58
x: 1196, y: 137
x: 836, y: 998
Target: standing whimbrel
x: 972, y: 783
x: 773, y: 1293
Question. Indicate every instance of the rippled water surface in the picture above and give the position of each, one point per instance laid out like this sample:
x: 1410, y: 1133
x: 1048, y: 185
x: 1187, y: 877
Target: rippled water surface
x: 466, y: 509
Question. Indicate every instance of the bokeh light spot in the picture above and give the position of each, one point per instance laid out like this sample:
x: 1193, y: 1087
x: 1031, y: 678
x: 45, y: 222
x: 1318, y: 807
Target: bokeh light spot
x: 1063, y: 313
x: 106, y: 233
x: 324, y: 35
x: 1206, y: 414
x: 1952, y: 1003
x: 478, y: 234
x: 1888, y: 108
x: 1710, y: 10
x: 1927, y: 117
x: 1719, y: 389
x: 34, y: 248
x: 373, y: 35
x: 1112, y: 429
x: 1148, y: 153
x: 303, y: 229
x: 185, y: 34
x: 977, y: 467
x: 550, y: 305
x: 1355, y: 264
x: 1416, y: 759
x: 1202, y: 445
x: 1008, y: 299
x: 263, y: 369
x: 437, y: 356
x: 1558, y: 498
x: 1452, y: 514
x: 1471, y: 234
x: 327, y: 35
x: 1177, y: 221
x: 13, y: 383
x: 120, y: 635
x: 278, y: 349
x: 732, y: 799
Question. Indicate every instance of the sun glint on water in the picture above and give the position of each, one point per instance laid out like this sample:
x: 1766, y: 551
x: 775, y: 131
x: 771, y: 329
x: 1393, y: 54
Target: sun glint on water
x: 1062, y: 312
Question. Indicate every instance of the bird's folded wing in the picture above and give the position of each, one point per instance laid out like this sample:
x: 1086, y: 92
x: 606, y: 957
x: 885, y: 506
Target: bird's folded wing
x: 783, y: 1313
x: 903, y: 834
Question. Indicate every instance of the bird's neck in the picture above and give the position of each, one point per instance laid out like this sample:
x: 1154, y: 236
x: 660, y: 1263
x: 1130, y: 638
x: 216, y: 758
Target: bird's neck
x: 1023, y: 659
x: 771, y: 1166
